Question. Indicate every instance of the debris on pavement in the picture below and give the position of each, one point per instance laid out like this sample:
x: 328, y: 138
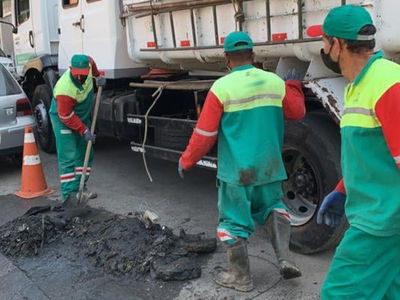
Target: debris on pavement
x: 117, y: 244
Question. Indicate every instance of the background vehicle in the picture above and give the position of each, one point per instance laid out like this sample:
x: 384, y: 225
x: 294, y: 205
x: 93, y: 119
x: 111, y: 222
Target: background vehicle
x: 15, y: 114
x: 184, y: 41
x: 6, y: 61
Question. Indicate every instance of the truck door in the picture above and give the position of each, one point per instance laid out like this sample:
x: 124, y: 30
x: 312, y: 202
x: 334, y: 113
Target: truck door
x: 45, y: 24
x: 71, y: 30
x: 23, y: 41
x: 97, y: 31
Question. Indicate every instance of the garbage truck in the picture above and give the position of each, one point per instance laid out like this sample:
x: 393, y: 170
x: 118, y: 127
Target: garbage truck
x: 161, y: 57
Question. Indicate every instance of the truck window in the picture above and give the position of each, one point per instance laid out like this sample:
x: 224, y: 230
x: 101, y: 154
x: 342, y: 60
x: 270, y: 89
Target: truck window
x: 23, y: 11
x: 69, y: 3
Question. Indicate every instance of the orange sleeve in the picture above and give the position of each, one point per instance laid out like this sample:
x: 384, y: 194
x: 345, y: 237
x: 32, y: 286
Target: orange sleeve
x: 206, y: 132
x: 340, y: 187
x: 293, y: 103
x: 65, y: 110
x: 95, y: 70
x: 387, y: 110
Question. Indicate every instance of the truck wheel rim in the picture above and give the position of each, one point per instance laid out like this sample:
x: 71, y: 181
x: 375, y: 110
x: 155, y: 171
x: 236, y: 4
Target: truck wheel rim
x: 41, y: 118
x: 301, y: 193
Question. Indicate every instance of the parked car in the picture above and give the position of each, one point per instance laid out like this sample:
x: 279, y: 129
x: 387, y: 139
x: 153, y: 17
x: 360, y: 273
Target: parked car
x: 7, y: 62
x: 15, y: 114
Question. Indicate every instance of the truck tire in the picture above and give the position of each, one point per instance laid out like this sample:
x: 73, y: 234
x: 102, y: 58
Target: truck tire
x: 41, y: 101
x: 311, y: 154
x: 50, y: 78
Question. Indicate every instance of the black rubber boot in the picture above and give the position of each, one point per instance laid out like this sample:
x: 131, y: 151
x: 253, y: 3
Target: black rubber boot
x: 238, y: 275
x: 278, y: 229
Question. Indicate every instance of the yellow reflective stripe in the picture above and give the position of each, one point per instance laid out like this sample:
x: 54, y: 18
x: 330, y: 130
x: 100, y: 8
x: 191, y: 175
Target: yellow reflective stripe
x: 359, y: 110
x: 359, y: 120
x: 397, y: 159
x: 359, y: 117
x: 252, y: 98
x: 252, y: 104
x: 206, y: 133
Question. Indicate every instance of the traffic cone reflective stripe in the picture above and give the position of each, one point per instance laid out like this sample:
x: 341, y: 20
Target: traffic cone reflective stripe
x: 33, y: 182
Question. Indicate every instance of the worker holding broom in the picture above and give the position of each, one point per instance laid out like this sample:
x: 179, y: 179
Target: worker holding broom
x: 70, y: 114
x: 245, y: 110
x: 366, y: 264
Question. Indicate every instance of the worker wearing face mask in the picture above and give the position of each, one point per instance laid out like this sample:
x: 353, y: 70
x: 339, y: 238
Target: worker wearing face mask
x: 70, y: 114
x: 366, y: 264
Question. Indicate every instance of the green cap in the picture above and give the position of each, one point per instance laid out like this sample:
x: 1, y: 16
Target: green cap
x: 237, y: 37
x: 80, y: 64
x: 346, y: 21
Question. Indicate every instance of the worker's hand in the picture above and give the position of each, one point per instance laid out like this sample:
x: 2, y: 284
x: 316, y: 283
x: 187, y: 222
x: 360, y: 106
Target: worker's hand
x: 332, y: 209
x: 89, y: 136
x: 180, y: 169
x: 100, y: 81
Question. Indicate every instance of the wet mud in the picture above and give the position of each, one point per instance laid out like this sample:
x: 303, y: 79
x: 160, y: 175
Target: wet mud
x: 85, y: 239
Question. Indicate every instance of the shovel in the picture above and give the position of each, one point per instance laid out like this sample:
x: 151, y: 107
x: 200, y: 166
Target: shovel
x: 89, y: 145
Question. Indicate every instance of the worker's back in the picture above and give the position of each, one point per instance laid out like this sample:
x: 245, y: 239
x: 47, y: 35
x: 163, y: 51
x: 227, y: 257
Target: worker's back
x: 251, y: 129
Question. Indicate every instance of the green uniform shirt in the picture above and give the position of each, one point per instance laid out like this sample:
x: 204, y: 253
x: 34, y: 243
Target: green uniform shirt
x: 251, y: 129
x: 82, y: 94
x: 371, y: 176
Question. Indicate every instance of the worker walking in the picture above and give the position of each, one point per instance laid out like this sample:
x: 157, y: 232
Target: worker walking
x: 70, y: 114
x: 245, y: 110
x: 366, y: 264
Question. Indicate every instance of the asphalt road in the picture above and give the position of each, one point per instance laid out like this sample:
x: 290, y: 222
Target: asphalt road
x: 119, y: 178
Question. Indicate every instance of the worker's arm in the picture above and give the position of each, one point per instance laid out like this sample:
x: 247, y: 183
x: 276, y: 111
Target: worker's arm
x: 340, y: 187
x: 65, y: 110
x: 387, y: 110
x: 206, y: 132
x: 293, y: 103
x: 95, y: 70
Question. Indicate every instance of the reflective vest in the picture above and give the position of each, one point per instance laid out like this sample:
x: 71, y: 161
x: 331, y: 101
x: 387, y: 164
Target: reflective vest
x: 82, y: 94
x: 250, y: 136
x: 371, y: 176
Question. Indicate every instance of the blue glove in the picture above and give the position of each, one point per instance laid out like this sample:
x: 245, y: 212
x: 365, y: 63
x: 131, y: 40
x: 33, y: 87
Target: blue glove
x: 292, y: 75
x: 180, y: 169
x: 89, y: 136
x: 100, y: 81
x: 332, y: 209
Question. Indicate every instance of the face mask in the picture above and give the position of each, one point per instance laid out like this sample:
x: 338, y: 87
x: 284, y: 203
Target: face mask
x: 82, y: 79
x: 329, y: 63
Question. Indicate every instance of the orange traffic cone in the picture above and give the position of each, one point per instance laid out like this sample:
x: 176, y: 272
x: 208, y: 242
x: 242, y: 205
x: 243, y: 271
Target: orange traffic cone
x: 33, y: 182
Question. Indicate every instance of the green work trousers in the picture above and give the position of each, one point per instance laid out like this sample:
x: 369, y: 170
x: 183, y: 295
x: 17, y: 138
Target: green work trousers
x: 71, y: 149
x: 364, y: 267
x: 239, y: 206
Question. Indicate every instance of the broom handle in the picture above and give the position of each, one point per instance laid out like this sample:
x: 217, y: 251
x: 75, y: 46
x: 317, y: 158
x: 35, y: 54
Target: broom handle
x: 89, y: 144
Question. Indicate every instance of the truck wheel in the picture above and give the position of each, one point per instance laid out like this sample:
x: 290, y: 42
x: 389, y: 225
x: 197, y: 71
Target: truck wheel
x: 41, y: 104
x: 50, y: 78
x: 311, y: 154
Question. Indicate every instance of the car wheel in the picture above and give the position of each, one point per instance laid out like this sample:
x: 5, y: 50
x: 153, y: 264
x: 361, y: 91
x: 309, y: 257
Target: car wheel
x: 311, y: 154
x: 41, y: 104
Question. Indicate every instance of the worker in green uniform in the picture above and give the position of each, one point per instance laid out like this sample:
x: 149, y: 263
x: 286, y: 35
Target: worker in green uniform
x: 70, y: 114
x: 245, y: 111
x: 366, y: 264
